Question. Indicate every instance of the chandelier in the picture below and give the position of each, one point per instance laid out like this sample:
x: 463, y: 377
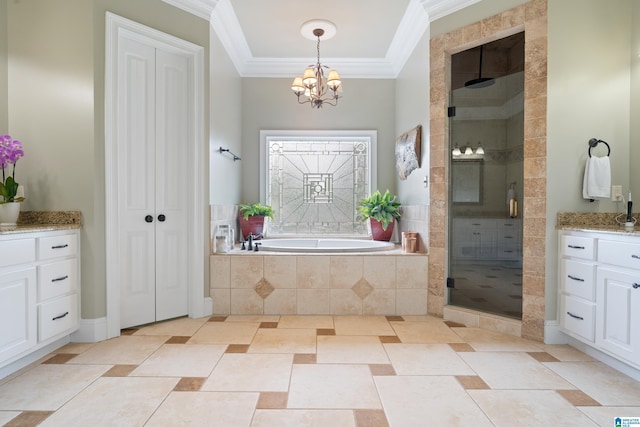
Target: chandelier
x: 314, y: 87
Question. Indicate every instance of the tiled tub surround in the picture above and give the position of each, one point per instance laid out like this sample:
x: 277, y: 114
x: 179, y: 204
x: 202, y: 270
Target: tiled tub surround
x: 356, y: 284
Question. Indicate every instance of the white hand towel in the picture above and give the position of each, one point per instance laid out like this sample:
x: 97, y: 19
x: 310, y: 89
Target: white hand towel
x: 597, y: 178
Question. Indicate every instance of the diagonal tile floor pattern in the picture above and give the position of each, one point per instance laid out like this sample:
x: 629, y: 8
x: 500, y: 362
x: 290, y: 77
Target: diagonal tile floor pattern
x: 268, y: 371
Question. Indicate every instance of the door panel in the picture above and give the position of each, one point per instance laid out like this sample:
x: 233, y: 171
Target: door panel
x: 136, y: 152
x: 153, y: 119
x: 172, y: 130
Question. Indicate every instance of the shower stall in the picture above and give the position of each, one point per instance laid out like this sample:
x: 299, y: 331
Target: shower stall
x: 486, y: 137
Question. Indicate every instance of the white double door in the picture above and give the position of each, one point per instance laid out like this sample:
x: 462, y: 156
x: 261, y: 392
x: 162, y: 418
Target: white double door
x: 153, y: 106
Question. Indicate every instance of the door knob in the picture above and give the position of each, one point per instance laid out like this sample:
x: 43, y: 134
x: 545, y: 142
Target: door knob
x: 161, y: 218
x: 148, y: 218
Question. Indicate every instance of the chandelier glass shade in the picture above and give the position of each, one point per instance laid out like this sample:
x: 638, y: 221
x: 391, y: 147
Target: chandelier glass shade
x: 316, y: 88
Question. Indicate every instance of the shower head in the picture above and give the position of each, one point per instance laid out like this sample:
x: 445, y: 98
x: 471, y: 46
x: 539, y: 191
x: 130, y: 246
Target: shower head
x: 480, y: 82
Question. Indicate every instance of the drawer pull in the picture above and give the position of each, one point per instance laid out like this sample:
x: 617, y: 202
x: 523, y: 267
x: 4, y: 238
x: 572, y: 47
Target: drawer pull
x: 508, y: 225
x: 635, y: 286
x: 60, y: 246
x: 576, y: 247
x: 475, y: 223
x: 59, y: 279
x: 61, y: 316
x: 635, y: 256
x: 574, y: 316
x: 577, y: 279
x: 508, y: 237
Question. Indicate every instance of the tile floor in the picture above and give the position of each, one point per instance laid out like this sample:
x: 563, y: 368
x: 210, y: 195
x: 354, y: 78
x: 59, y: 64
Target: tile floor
x: 316, y: 371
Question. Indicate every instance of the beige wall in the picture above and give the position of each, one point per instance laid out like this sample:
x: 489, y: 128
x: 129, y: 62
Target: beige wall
x: 226, y: 127
x: 56, y: 97
x: 268, y: 103
x: 3, y: 68
x: 634, y: 157
x: 412, y: 109
x: 588, y: 97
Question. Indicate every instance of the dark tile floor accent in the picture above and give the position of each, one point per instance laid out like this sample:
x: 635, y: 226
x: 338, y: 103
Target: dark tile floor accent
x: 120, y: 371
x: 472, y: 382
x: 237, y: 348
x: 389, y: 339
x: 177, y: 340
x: 578, y: 398
x: 461, y: 347
x: 304, y: 359
x: 395, y: 318
x: 382, y: 370
x: 60, y: 359
x: 452, y: 324
x: 29, y: 419
x: 217, y: 318
x: 325, y: 331
x: 272, y: 400
x: 268, y: 325
x: 542, y: 356
x: 189, y: 384
x: 370, y: 418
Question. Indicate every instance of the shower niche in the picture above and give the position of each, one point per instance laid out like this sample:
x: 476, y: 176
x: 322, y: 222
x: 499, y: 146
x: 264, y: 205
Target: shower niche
x: 486, y: 140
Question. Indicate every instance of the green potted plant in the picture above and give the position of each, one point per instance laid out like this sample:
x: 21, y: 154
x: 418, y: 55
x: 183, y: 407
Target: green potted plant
x: 251, y: 218
x: 381, y: 210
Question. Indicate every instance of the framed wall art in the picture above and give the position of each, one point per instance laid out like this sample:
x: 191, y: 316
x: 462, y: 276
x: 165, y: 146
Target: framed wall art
x: 408, y: 152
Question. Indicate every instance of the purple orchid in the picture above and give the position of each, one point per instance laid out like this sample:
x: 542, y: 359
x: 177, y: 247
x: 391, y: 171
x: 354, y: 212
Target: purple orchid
x: 10, y: 151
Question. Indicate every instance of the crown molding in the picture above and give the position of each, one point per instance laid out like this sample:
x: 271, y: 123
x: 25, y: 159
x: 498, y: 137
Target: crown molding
x: 201, y: 8
x: 437, y: 9
x: 415, y: 22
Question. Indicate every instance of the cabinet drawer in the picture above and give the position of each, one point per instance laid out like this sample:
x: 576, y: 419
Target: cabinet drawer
x: 579, y: 247
x: 57, y: 317
x: 578, y: 317
x: 619, y: 253
x: 57, y: 246
x: 57, y: 278
x: 579, y: 279
x: 18, y: 251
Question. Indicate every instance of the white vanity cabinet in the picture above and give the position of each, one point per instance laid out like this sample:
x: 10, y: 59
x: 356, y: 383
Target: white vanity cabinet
x: 599, y: 277
x: 39, y: 290
x: 478, y: 239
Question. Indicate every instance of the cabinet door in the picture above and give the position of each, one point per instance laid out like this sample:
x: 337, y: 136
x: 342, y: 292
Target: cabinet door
x: 18, y: 327
x: 618, y: 313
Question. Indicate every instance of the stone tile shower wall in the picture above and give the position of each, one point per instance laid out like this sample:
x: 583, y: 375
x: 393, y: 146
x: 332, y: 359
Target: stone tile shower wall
x: 532, y: 18
x: 319, y: 284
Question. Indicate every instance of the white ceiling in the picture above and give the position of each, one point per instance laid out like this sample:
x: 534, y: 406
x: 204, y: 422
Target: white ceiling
x: 374, y: 37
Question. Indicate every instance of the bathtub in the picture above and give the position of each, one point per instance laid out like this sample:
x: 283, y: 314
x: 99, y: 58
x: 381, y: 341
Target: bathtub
x: 323, y: 245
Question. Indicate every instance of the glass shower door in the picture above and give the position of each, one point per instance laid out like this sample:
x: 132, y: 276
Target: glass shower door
x: 486, y: 176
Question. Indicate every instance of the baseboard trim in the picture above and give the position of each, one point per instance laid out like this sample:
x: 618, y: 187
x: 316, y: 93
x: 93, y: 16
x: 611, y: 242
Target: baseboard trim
x: 553, y: 334
x: 91, y: 330
x: 207, y: 309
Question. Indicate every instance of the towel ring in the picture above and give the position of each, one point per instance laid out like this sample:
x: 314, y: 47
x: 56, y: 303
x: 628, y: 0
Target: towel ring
x: 593, y: 142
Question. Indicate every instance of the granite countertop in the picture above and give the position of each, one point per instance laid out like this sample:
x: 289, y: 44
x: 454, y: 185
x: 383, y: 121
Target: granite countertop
x: 31, y: 221
x: 594, y: 221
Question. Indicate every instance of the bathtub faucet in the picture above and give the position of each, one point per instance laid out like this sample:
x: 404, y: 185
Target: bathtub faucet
x: 251, y: 237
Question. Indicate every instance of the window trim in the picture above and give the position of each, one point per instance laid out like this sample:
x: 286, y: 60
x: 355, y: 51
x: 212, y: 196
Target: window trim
x: 370, y: 136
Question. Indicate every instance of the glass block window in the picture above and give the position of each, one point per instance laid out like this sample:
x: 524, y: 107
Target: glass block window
x: 314, y: 183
